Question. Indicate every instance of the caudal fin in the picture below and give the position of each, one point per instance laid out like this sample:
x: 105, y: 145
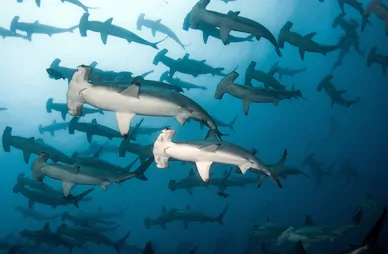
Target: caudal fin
x: 155, y: 44
x: 371, y: 56
x: 231, y: 124
x: 373, y: 235
x: 78, y: 198
x: 71, y: 29
x: 120, y: 243
x: 221, y: 215
x: 72, y: 125
x: 139, y: 172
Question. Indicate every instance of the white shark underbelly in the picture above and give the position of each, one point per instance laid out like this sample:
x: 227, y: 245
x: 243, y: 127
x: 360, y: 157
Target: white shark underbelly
x: 144, y: 105
x: 189, y: 153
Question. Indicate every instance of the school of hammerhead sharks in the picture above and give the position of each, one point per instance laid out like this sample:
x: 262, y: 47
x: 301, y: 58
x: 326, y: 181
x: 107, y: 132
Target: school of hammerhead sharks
x: 128, y: 95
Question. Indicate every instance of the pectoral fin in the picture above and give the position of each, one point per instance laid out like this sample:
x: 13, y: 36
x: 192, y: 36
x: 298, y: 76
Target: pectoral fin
x: 153, y: 32
x: 89, y: 136
x: 203, y: 169
x: 104, y: 37
x: 205, y: 37
x: 246, y: 105
x: 301, y: 53
x: 66, y: 188
x: 123, y: 122
x: 224, y: 32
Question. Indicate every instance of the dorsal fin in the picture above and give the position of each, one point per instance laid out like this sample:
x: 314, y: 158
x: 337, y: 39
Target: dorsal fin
x: 310, y: 35
x: 46, y: 227
x: 186, y: 56
x: 94, y: 121
x: 232, y: 14
x: 211, y: 136
x: 109, y: 21
x: 308, y: 221
x: 191, y: 173
x: 36, y: 22
x: 132, y: 90
x: 158, y: 21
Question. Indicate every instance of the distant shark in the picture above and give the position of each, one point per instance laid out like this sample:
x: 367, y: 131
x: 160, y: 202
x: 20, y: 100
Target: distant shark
x: 62, y: 107
x: 37, y: 28
x: 267, y: 79
x: 157, y: 26
x: 249, y: 94
x: 380, y: 10
x: 334, y: 94
x: 212, y: 31
x: 106, y: 28
x: 74, y: 2
x: 375, y: 58
x: 180, y: 83
x: 92, y: 129
x: 229, y: 22
x: 187, y: 65
x: 33, y: 146
x: 281, y: 71
x: 304, y: 43
x: 8, y: 33
x: 186, y: 215
x: 52, y: 128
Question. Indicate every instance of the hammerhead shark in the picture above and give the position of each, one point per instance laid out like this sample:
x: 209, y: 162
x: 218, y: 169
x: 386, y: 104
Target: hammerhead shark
x: 283, y: 71
x: 74, y: 2
x: 304, y: 43
x: 133, y: 100
x: 376, y: 58
x: 250, y: 94
x: 212, y: 31
x: 180, y: 83
x: 62, y: 107
x: 8, y: 33
x: 52, y: 128
x: 106, y: 28
x: 206, y: 152
x: 266, y: 78
x: 380, y: 10
x: 157, y: 26
x: 334, y: 94
x: 37, y: 28
x: 186, y: 215
x: 186, y: 65
x: 229, y: 22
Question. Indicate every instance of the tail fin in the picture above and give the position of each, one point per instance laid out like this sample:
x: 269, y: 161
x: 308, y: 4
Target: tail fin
x: 222, y: 87
x: 371, y: 56
x: 221, y: 215
x: 120, y: 243
x: 71, y: 29
x: 131, y: 164
x: 122, y: 147
x: 155, y: 44
x: 299, y: 248
x: 139, y: 172
x: 140, y: 21
x: 351, y: 102
x: 373, y: 235
x: 370, y: 7
x: 356, y: 219
x: 338, y: 19
x: 230, y: 125
x: 171, y: 185
x: 72, y: 124
x: 40, y: 129
x: 49, y: 105
x: 78, y: 198
x: 7, y: 136
x: 158, y: 56
x: 148, y: 248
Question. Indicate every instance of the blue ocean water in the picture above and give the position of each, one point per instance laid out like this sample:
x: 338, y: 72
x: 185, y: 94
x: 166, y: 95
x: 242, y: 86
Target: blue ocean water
x: 344, y: 139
